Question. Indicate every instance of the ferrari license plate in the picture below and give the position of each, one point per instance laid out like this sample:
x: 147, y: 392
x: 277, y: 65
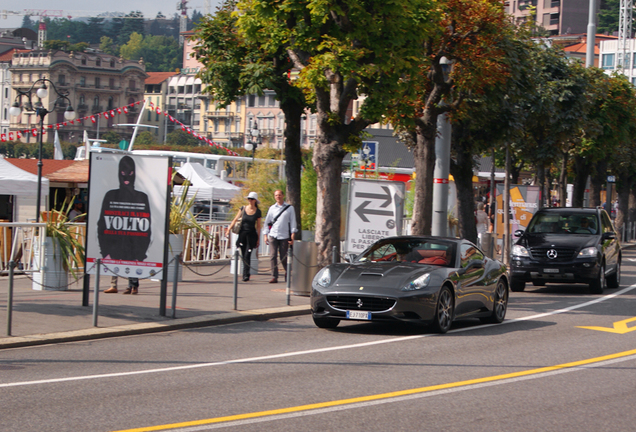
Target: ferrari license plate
x: 551, y: 270
x: 358, y: 315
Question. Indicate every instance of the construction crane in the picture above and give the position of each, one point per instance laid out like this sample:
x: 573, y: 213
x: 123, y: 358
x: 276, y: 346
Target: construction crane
x: 624, y: 37
x: 183, y: 19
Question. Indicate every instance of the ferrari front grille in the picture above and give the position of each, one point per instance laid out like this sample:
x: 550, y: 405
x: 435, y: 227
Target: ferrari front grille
x: 350, y: 302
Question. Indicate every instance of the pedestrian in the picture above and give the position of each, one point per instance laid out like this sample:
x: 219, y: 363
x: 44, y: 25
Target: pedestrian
x: 482, y: 221
x: 249, y: 233
x: 280, y: 227
x: 76, y: 214
x: 133, y: 286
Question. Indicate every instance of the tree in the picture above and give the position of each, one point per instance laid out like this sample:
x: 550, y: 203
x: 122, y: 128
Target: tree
x: 181, y: 138
x: 108, y: 46
x: 132, y: 48
x: 235, y: 64
x: 460, y: 56
x: 342, y: 50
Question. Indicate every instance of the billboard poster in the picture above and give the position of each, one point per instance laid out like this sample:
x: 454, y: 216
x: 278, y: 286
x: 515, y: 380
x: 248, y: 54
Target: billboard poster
x: 524, y: 202
x: 127, y: 217
x: 375, y: 211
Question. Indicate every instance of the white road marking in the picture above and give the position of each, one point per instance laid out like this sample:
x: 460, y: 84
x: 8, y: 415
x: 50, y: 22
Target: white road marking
x: 308, y: 352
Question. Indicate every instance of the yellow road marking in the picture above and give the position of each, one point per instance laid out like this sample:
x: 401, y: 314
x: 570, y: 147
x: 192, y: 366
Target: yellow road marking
x: 382, y: 395
x: 620, y: 327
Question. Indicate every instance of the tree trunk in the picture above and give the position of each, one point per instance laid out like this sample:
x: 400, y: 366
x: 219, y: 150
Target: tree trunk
x: 580, y: 180
x: 596, y: 185
x: 462, y: 172
x: 424, y: 159
x: 541, y: 183
x: 293, y: 157
x: 563, y: 179
x: 327, y: 159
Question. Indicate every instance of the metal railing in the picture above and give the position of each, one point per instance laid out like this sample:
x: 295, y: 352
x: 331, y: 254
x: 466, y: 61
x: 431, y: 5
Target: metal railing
x: 20, y: 241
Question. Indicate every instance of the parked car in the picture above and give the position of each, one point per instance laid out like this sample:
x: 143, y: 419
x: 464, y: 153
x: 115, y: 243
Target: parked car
x: 567, y: 245
x: 428, y: 280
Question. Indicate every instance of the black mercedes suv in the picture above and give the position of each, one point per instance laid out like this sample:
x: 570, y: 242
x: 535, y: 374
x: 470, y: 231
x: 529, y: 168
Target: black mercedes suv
x: 567, y: 245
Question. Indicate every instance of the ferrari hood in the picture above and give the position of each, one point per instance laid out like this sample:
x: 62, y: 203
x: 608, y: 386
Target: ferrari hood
x: 389, y: 276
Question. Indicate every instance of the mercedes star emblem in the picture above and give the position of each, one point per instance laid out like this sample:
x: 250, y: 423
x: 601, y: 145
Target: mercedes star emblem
x: 552, y: 254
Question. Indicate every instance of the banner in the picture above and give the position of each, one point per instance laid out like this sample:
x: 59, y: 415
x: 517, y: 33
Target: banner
x: 524, y: 202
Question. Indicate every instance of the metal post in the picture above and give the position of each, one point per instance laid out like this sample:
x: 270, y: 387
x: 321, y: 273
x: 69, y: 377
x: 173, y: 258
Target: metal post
x: 289, y: 272
x: 10, y: 297
x: 175, y: 279
x: 41, y: 112
x: 591, y: 35
x: 98, y: 263
x: 439, y: 226
x: 236, y: 270
x: 334, y: 255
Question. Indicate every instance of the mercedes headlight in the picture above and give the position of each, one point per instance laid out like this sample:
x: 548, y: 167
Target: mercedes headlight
x: 418, y: 283
x: 518, y: 250
x: 323, y: 278
x: 589, y: 252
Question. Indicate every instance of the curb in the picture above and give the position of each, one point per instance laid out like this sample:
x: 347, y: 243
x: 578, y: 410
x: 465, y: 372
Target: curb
x: 145, y: 328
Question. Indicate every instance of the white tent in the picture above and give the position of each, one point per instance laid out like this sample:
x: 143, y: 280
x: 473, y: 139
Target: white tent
x: 205, y: 184
x: 16, y: 181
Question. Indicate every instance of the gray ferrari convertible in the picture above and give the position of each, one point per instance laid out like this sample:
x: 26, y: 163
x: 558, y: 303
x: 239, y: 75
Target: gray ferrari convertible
x: 430, y: 280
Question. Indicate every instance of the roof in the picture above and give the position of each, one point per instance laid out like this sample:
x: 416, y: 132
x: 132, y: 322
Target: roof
x: 8, y: 55
x: 158, y: 77
x: 77, y: 172
x: 580, y: 48
x: 392, y: 153
x: 16, y: 181
x: 49, y: 166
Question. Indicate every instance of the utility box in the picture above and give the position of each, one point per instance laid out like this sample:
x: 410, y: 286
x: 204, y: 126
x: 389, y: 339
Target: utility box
x: 304, y: 267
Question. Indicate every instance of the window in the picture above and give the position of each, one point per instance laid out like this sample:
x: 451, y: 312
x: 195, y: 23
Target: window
x: 82, y: 81
x: 626, y: 63
x: 81, y: 100
x: 112, y: 63
x: 61, y: 79
x: 272, y: 100
x: 111, y: 83
x: 83, y: 60
x: 131, y: 85
x: 251, y: 100
x: 98, y: 62
x: 554, y: 19
x: 608, y: 61
x: 98, y: 82
x: 110, y: 103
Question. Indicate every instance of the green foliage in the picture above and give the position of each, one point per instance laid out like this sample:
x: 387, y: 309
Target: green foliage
x: 111, y: 137
x: 262, y: 178
x: 145, y: 138
x: 17, y: 149
x: 181, y: 216
x: 181, y: 138
x: 58, y: 228
x: 108, y: 46
x: 131, y: 50
x: 309, y: 194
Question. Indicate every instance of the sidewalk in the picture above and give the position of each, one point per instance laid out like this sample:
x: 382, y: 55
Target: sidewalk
x: 203, y: 299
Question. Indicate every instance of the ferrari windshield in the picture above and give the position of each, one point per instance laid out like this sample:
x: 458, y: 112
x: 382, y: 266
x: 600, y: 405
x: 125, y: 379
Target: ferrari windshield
x: 418, y: 250
x: 563, y: 223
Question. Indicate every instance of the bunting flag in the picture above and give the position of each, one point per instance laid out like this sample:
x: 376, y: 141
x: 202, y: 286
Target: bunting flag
x: 111, y: 114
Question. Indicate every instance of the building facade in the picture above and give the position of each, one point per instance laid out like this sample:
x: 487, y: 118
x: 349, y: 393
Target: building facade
x: 94, y: 83
x: 156, y: 92
x: 556, y: 16
x: 612, y: 60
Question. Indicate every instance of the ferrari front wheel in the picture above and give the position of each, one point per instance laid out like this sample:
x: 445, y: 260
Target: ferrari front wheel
x: 444, y: 311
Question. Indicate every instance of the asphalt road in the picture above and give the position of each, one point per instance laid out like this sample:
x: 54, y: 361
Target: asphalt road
x: 538, y: 371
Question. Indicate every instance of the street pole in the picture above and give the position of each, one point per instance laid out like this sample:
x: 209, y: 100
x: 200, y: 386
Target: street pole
x: 591, y: 35
x: 40, y: 112
x: 440, y: 177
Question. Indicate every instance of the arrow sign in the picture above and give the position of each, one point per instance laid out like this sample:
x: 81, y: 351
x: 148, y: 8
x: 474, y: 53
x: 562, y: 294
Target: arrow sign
x: 386, y: 196
x: 620, y: 327
x: 362, y: 211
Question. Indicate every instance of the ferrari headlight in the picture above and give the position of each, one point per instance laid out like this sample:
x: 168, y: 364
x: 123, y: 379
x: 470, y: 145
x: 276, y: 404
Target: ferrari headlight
x: 418, y: 283
x: 518, y: 250
x: 589, y: 252
x: 323, y: 278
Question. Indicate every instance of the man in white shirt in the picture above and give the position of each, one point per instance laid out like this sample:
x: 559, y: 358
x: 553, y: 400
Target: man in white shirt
x: 280, y: 227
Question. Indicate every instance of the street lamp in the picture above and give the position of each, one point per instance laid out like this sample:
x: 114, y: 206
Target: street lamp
x: 253, y: 138
x: 41, y: 111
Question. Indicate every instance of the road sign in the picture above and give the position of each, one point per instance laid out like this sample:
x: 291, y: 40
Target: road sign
x: 611, y: 179
x: 369, y: 156
x: 375, y: 211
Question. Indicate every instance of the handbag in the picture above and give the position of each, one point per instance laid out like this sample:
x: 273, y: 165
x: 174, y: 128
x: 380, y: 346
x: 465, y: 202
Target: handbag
x: 237, y: 226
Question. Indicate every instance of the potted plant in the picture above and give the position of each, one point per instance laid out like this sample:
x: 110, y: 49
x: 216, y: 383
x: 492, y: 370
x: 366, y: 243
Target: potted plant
x: 181, y: 219
x: 60, y: 253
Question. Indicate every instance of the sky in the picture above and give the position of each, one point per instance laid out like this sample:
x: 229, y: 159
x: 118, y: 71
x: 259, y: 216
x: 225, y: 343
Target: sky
x: 149, y: 8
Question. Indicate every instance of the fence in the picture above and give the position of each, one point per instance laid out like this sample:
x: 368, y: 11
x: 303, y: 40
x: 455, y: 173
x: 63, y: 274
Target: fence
x: 20, y: 241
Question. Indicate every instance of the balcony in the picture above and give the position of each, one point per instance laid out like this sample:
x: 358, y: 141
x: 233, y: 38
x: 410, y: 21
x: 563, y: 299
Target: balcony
x: 96, y: 109
x: 82, y: 108
x: 220, y: 114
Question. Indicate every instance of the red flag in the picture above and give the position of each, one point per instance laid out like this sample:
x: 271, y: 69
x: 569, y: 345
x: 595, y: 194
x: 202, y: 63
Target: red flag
x: 126, y: 110
x: 3, y: 137
x: 10, y: 136
x: 119, y: 110
x: 18, y: 135
x: 93, y: 119
x: 158, y: 110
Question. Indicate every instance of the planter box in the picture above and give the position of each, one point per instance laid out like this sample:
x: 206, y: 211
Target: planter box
x: 52, y: 275
x: 176, y: 247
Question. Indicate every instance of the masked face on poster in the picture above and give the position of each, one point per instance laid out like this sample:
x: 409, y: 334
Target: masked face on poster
x: 124, y: 226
